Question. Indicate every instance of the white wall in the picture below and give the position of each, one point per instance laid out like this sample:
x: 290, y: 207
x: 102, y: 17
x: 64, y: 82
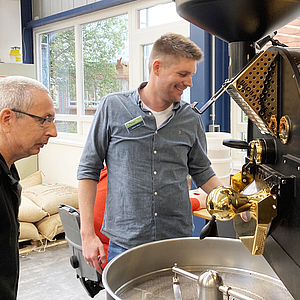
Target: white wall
x: 10, y: 27
x: 44, y: 8
x: 10, y: 36
x: 59, y: 161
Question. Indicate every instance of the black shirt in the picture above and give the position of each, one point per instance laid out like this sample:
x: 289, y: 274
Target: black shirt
x: 10, y: 195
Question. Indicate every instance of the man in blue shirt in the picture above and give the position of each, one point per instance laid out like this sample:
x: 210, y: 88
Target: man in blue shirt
x: 150, y: 140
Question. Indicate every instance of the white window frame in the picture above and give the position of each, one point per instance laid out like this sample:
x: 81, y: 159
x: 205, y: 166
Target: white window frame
x: 137, y: 39
x: 237, y: 127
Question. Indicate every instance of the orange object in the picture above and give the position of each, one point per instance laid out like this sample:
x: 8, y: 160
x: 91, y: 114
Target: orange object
x: 195, y: 204
x: 99, y: 210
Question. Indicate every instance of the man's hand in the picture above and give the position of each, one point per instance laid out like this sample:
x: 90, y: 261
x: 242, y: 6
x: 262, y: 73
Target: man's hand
x: 93, y: 252
x: 92, y: 248
x: 212, y: 183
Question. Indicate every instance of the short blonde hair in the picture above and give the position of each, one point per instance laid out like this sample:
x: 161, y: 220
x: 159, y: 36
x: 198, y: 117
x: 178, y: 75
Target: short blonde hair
x: 171, y: 46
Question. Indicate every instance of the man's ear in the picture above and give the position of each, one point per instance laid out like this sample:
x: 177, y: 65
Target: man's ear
x: 6, y: 117
x: 156, y: 66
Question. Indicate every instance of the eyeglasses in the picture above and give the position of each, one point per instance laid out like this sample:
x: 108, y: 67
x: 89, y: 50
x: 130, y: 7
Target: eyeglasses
x: 44, y: 121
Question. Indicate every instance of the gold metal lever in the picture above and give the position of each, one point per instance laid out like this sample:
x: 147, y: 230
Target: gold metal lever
x: 251, y: 214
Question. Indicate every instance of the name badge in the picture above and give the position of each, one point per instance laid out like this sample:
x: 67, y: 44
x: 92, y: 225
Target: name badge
x: 134, y: 123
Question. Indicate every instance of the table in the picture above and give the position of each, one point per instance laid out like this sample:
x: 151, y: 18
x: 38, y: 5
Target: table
x: 202, y: 213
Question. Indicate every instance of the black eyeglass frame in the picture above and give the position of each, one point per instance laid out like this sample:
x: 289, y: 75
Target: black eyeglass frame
x: 48, y: 119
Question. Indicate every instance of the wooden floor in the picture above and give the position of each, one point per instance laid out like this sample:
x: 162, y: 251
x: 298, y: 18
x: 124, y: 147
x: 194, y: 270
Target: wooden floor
x: 31, y: 246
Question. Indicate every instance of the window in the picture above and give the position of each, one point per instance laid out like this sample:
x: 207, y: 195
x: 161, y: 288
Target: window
x: 290, y: 34
x: 58, y: 74
x: 147, y: 51
x: 158, y: 15
x: 58, y: 69
x: 105, y: 59
x: 84, y: 58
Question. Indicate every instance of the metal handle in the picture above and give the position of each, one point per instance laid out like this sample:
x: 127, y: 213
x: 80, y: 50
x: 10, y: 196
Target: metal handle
x: 229, y: 292
x: 237, y: 144
x: 176, y: 288
x: 213, y: 98
x: 207, y: 228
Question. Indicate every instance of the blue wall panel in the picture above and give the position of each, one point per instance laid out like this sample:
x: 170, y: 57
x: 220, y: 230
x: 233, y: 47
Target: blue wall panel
x: 27, y: 37
x: 222, y: 105
x: 201, y: 91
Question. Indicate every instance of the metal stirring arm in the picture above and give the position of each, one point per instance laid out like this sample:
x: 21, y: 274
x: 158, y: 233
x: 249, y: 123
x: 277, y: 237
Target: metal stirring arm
x: 176, y: 288
x: 227, y: 83
x: 219, y: 93
x: 210, y: 285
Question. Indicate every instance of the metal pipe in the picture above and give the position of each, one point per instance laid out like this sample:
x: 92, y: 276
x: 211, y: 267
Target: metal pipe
x: 185, y: 273
x: 229, y: 292
x: 240, y: 54
x: 213, y: 79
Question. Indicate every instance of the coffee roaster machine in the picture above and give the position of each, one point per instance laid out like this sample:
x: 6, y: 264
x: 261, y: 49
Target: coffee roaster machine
x: 264, y: 200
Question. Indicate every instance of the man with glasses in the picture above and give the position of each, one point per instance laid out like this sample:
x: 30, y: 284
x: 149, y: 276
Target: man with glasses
x: 26, y: 124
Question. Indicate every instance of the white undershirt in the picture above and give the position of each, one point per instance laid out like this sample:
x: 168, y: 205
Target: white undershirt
x: 160, y: 116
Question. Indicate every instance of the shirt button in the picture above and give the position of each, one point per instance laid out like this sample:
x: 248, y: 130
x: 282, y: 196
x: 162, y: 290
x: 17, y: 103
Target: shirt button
x: 155, y: 214
x: 156, y: 132
x: 155, y: 193
x: 155, y: 151
x: 154, y: 172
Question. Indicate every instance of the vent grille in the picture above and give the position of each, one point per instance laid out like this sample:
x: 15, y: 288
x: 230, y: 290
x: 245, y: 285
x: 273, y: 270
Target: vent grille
x: 255, y: 91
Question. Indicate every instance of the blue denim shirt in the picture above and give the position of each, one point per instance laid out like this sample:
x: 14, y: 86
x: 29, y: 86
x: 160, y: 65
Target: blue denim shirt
x: 147, y: 192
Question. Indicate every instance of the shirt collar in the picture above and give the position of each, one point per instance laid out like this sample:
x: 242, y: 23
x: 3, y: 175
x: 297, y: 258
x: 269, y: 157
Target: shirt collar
x: 11, y: 173
x: 176, y: 105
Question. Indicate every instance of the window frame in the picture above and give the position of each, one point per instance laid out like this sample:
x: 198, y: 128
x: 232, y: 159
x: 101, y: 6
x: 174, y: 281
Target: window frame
x: 138, y: 37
